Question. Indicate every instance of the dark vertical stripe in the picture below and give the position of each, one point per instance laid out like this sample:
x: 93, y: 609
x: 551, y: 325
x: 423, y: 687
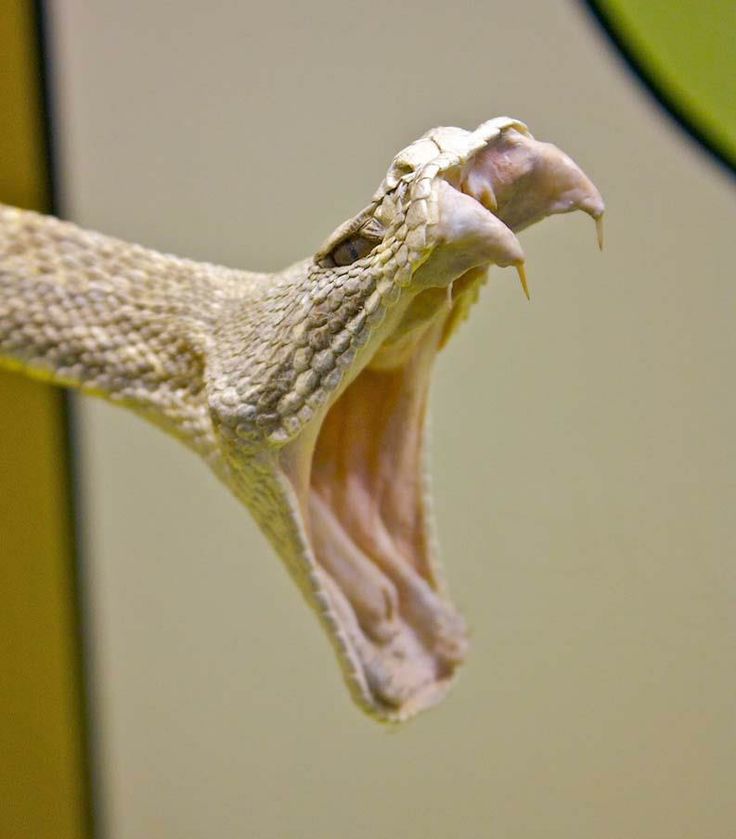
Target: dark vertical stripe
x: 43, y: 61
x: 82, y: 616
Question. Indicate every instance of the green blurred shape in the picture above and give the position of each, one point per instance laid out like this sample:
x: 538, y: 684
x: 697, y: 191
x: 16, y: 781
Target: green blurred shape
x: 686, y: 51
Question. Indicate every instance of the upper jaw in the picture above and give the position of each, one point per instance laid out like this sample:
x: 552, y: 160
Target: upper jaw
x: 528, y: 180
x: 486, y: 193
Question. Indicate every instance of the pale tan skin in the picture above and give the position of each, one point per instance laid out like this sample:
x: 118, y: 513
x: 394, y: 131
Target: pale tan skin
x: 306, y: 390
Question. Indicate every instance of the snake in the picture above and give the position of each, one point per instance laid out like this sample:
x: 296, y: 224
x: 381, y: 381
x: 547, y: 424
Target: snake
x: 306, y: 390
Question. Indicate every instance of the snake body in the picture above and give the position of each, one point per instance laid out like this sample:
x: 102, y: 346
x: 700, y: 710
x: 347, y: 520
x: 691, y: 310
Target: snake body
x: 305, y: 390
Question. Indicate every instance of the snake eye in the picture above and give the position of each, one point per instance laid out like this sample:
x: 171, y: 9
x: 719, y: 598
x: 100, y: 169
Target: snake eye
x: 352, y: 240
x: 353, y: 248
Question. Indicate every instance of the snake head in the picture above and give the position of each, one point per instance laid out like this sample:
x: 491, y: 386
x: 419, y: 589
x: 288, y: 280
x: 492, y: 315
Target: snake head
x: 330, y: 414
x: 454, y: 201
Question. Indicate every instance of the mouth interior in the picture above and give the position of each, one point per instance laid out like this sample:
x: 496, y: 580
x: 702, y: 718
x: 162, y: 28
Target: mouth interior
x: 369, y: 524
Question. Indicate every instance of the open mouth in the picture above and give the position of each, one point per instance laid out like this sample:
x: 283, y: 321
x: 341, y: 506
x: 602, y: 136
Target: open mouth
x: 368, y: 517
x: 361, y: 479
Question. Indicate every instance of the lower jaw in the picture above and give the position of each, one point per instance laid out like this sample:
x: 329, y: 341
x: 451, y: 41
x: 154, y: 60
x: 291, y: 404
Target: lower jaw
x: 406, y: 637
x: 367, y: 516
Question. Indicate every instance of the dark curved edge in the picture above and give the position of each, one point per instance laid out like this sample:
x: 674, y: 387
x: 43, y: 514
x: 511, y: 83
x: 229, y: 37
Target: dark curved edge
x: 649, y: 81
x: 80, y: 590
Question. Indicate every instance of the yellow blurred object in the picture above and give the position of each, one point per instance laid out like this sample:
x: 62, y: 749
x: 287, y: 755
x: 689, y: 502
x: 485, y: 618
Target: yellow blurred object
x: 42, y: 789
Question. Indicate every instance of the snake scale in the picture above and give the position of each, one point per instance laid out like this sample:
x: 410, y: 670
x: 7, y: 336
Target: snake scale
x: 305, y: 390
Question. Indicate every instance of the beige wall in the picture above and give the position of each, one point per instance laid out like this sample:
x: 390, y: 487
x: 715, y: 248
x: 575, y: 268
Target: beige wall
x: 583, y: 443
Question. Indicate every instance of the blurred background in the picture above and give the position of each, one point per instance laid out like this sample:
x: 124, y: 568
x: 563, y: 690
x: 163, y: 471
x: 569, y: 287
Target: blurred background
x: 159, y: 673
